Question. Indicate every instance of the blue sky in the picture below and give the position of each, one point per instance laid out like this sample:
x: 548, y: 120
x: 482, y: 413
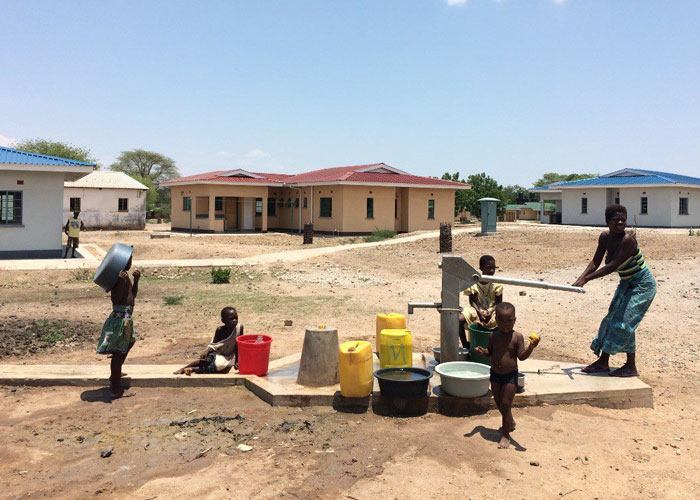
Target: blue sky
x: 513, y: 88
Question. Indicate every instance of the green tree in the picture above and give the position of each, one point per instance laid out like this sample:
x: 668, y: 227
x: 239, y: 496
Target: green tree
x: 460, y: 195
x: 146, y: 164
x: 483, y: 186
x: 57, y: 148
x: 552, y: 177
x: 510, y: 193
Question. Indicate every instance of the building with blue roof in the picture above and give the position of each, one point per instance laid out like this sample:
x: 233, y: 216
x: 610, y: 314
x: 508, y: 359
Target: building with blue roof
x: 652, y: 198
x: 31, y: 202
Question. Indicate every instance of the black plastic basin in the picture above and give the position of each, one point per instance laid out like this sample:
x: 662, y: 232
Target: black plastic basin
x: 403, y: 382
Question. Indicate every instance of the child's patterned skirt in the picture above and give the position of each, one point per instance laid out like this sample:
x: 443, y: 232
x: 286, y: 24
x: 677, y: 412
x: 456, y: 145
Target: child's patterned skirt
x: 117, y: 333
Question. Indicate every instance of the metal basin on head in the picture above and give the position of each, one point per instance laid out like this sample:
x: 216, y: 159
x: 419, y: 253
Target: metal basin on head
x: 114, y: 261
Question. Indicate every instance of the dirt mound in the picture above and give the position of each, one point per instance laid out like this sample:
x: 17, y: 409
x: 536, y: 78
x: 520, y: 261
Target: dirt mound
x: 20, y: 337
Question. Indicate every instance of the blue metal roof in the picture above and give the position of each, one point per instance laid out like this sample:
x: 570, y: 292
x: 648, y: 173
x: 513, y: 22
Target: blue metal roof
x: 627, y: 176
x: 17, y: 156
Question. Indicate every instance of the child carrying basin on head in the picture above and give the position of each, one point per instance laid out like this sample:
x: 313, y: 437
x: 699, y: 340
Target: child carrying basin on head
x: 483, y: 299
x: 222, y: 353
x: 506, y: 347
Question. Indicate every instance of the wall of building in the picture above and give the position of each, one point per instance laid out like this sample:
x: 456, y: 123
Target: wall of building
x: 99, y: 208
x: 418, y: 208
x: 355, y: 208
x: 659, y: 205
x: 693, y: 217
x: 662, y: 206
x: 571, y: 207
x: 348, y: 213
x: 180, y: 219
x: 42, y: 199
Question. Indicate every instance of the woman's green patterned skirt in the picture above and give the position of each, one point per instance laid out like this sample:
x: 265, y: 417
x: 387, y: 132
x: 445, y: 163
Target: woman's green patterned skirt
x: 117, y: 333
x: 629, y: 305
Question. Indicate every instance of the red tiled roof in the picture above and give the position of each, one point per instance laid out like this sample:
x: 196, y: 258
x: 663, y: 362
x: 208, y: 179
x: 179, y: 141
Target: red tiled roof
x: 371, y: 177
x: 350, y: 174
x: 331, y: 174
x: 217, y: 177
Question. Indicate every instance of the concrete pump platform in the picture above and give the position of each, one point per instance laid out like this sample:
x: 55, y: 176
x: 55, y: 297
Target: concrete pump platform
x: 546, y: 382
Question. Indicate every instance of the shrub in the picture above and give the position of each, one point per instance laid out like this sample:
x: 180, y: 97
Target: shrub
x: 379, y: 235
x: 173, y: 300
x: 691, y: 233
x: 220, y: 275
x: 82, y: 274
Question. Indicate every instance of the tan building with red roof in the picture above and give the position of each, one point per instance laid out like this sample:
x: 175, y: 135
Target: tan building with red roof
x: 343, y: 200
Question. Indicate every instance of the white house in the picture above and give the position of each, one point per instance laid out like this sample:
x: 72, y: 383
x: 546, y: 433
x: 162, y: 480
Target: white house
x: 31, y: 200
x: 106, y: 200
x: 652, y: 199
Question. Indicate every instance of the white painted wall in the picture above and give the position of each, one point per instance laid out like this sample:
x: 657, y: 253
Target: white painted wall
x: 42, y: 194
x: 658, y: 205
x: 99, y: 208
x: 693, y: 217
x: 571, y: 207
x: 662, y: 203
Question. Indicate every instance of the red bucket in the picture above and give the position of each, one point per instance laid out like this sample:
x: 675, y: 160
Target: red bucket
x: 253, y: 354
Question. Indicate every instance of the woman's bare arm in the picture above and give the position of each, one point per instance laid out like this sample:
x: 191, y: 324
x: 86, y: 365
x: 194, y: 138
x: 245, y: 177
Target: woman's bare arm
x: 628, y: 247
x: 595, y: 262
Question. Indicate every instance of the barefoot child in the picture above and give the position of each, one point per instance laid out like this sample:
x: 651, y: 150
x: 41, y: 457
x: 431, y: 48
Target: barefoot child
x: 483, y: 299
x: 222, y: 353
x: 506, y: 346
x: 117, y: 336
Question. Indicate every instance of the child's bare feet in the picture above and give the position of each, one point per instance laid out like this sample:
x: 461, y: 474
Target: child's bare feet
x: 512, y: 428
x: 179, y: 372
x: 188, y: 371
x: 124, y: 374
x: 504, y: 442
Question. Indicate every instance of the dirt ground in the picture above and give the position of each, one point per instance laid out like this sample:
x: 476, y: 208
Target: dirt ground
x: 53, y: 437
x: 204, y: 246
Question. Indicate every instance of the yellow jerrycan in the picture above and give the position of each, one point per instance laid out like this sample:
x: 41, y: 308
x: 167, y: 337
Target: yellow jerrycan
x: 395, y: 348
x: 355, y: 369
x: 386, y: 321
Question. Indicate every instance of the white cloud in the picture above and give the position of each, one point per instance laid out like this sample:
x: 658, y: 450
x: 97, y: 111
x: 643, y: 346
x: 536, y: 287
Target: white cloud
x: 452, y: 3
x: 7, y: 141
x: 256, y: 154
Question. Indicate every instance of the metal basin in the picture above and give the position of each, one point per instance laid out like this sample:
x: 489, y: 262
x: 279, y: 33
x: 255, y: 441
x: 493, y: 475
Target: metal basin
x: 403, y: 382
x: 462, y: 355
x: 114, y: 261
x: 464, y: 379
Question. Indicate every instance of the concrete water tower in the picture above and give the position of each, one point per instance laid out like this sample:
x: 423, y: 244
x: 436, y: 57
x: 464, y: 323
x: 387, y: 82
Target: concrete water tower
x: 489, y: 213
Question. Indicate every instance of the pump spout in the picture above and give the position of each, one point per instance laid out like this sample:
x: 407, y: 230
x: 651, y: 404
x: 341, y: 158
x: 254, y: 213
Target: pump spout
x: 426, y: 305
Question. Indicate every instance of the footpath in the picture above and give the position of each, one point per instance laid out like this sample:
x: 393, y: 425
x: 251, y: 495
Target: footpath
x: 93, y: 255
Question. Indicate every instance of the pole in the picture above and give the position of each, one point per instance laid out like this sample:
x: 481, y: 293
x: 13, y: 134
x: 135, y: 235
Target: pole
x: 190, y: 193
x: 529, y: 283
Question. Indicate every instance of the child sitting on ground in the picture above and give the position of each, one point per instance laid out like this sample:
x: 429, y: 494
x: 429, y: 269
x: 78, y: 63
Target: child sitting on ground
x: 483, y: 299
x: 506, y: 346
x: 222, y: 352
